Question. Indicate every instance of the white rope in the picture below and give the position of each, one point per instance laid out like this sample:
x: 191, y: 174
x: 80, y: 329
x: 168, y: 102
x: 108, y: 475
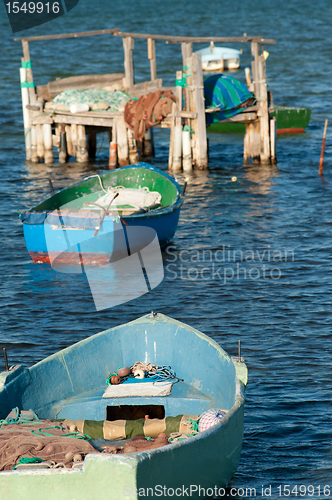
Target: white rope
x: 96, y: 175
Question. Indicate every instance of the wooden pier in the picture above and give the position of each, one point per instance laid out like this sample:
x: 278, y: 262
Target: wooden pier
x: 75, y: 134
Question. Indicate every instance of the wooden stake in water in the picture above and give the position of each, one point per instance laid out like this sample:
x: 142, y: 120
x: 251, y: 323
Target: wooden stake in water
x: 322, y: 150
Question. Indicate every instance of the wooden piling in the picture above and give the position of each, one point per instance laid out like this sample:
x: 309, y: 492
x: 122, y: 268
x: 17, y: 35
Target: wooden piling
x: 74, y: 141
x: 63, y: 156
x: 40, y: 142
x: 29, y: 75
x: 128, y: 45
x: 113, y: 153
x: 187, y: 50
x: 273, y: 139
x: 264, y: 118
x: 82, y: 152
x: 171, y: 138
x: 201, y: 160
x: 132, y: 150
x: 26, y: 114
x: 322, y: 149
x: 69, y: 140
x: 122, y: 141
x: 152, y: 58
x: 148, y: 143
x: 48, y: 143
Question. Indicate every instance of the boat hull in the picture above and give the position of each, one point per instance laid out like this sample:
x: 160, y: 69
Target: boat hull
x: 289, y: 121
x: 205, y: 461
x: 50, y: 233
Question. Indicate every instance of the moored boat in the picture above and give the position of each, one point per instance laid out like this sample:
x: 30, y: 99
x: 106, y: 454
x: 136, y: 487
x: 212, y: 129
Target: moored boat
x: 220, y: 58
x: 289, y: 121
x: 90, y: 217
x: 70, y: 386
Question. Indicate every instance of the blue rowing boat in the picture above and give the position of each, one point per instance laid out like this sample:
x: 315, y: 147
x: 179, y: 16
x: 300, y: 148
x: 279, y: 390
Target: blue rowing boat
x: 203, y: 401
x: 103, y: 214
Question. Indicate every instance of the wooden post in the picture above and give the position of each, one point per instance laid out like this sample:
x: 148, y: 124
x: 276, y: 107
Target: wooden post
x: 26, y: 114
x: 171, y: 138
x: 198, y: 97
x: 82, y: 153
x: 63, y: 155
x: 264, y: 118
x: 113, y: 156
x: 148, y: 144
x: 122, y: 141
x: 260, y: 90
x: 40, y: 142
x: 248, y: 79
x: 74, y: 142
x: 152, y: 58
x: 29, y: 75
x: 34, y: 156
x: 186, y: 151
x: 191, y: 106
x: 252, y: 142
x: 92, y: 144
x: 48, y: 143
x: 273, y: 136
x: 133, y: 153
x: 128, y: 45
x: 323, y: 149
x: 187, y: 50
x: 69, y: 140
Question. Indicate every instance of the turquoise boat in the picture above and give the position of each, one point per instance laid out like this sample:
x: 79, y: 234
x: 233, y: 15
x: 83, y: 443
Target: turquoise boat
x: 71, y: 385
x: 86, y: 219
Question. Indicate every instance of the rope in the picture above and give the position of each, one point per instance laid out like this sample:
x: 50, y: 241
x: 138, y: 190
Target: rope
x: 194, y: 425
x: 163, y: 373
x: 27, y: 460
x: 77, y: 435
x: 96, y: 175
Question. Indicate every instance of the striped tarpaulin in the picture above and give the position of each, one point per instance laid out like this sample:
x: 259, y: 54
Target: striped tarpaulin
x: 225, y: 94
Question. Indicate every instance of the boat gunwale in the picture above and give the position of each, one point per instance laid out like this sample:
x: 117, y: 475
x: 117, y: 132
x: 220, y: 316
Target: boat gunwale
x: 140, y: 165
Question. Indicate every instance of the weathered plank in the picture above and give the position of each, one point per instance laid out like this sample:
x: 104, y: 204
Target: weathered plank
x: 82, y: 120
x: 140, y: 89
x: 195, y: 39
x: 67, y: 35
x: 241, y: 118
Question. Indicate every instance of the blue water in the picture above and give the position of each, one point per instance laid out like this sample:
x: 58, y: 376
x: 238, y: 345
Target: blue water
x: 273, y: 216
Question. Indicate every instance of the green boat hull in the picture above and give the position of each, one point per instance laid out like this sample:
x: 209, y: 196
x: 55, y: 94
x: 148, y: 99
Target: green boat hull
x: 289, y: 121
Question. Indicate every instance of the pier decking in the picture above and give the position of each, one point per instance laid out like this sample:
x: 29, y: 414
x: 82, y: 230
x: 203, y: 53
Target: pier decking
x: 74, y: 134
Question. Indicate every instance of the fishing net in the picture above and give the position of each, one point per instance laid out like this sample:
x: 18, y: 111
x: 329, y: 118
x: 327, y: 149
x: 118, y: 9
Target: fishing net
x: 45, y: 440
x: 93, y: 97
